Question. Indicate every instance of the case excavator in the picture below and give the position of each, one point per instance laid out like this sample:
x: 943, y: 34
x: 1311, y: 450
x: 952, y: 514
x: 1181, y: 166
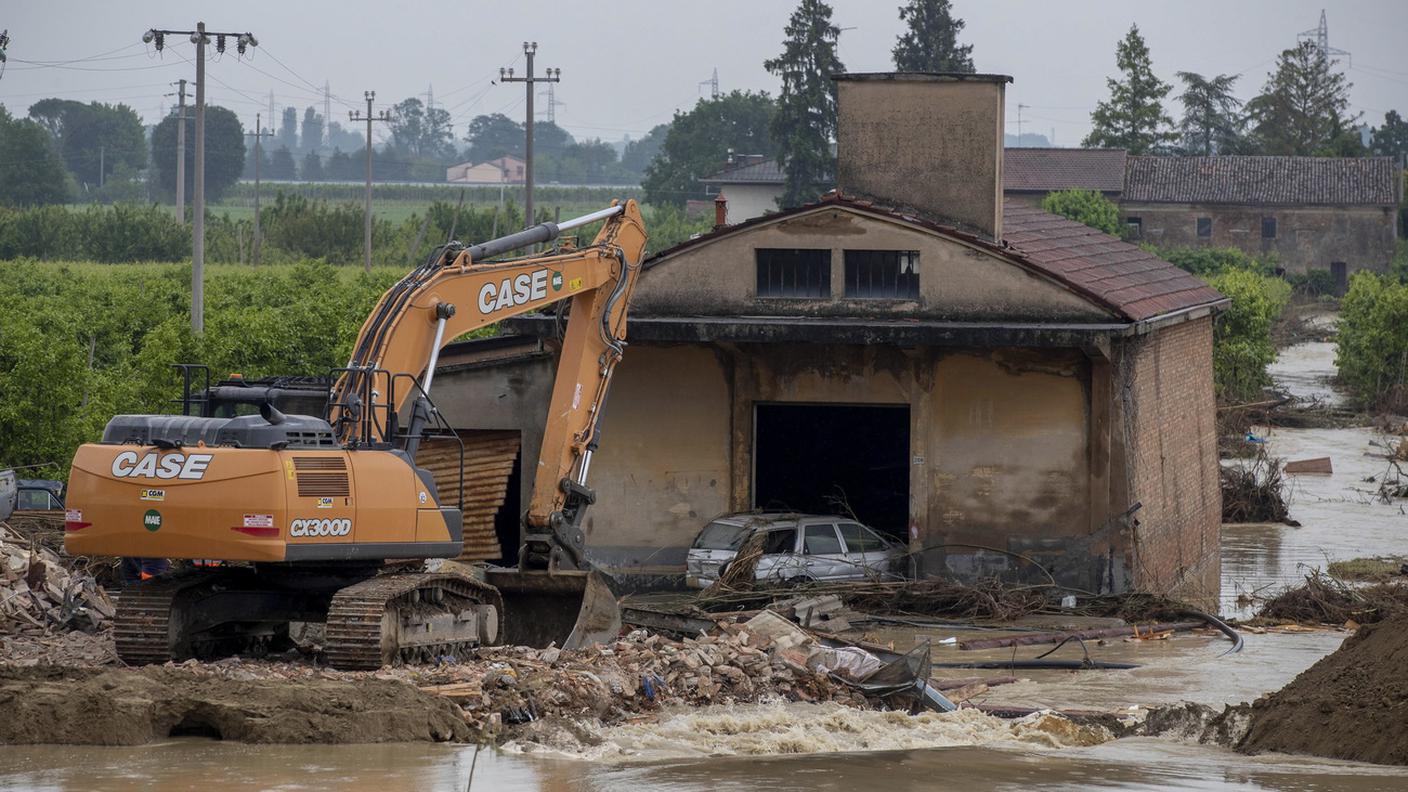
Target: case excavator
x: 297, y: 518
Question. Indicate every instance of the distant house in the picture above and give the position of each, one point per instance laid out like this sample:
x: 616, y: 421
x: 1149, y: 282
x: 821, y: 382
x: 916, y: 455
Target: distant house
x: 1330, y: 213
x: 752, y: 183
x: 504, y: 170
x: 1028, y: 174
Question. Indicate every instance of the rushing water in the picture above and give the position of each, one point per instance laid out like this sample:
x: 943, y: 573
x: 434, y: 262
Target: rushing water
x: 1136, y: 764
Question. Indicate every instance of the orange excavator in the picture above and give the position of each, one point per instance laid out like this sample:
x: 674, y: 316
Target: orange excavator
x: 307, y: 519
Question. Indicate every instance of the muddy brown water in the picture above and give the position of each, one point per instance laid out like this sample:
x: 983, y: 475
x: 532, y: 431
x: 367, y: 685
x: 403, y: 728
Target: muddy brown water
x: 1135, y: 764
x: 1340, y: 516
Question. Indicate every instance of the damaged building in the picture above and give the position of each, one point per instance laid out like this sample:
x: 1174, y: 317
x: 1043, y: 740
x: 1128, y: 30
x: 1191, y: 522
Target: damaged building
x: 991, y: 384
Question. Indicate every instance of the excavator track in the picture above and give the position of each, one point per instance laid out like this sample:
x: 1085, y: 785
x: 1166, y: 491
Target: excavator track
x: 409, y: 617
x: 142, y: 625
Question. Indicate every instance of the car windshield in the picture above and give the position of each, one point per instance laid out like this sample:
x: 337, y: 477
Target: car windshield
x: 720, y: 536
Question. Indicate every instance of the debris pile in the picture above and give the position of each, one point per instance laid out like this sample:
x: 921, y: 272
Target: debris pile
x: 766, y: 658
x: 1350, y: 705
x: 991, y: 599
x: 1254, y: 493
x: 1325, y: 600
x: 39, y: 593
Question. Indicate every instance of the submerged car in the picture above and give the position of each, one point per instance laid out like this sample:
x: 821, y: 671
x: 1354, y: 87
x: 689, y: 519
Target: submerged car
x: 796, y: 548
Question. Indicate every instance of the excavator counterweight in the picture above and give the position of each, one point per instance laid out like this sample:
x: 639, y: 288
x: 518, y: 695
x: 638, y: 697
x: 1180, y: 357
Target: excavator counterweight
x: 297, y: 519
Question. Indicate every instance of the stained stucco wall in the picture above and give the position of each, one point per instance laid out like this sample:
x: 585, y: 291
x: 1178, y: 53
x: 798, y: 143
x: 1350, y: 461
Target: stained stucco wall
x: 923, y: 141
x: 998, y: 444
x: 1306, y: 238
x: 957, y: 281
x: 746, y: 201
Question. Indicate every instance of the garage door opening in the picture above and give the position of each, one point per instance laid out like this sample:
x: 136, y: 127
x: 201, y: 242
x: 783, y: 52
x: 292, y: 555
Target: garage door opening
x: 834, y: 458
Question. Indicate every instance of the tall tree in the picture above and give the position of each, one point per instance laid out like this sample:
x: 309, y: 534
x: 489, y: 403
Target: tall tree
x: 805, y: 123
x: 930, y: 44
x: 639, y: 153
x: 31, y: 170
x: 439, y: 138
x: 1303, y: 108
x: 312, y: 168
x: 408, y: 126
x: 93, y: 136
x: 312, y: 132
x: 698, y: 143
x: 493, y: 136
x: 1211, y: 122
x: 224, y: 152
x: 340, y: 166
x: 281, y: 165
x: 1391, y: 139
x: 1133, y: 118
x: 288, y: 130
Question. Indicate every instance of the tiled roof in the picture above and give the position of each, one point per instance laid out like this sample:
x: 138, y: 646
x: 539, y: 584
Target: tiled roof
x: 1047, y: 169
x: 1135, y: 282
x: 1121, y: 277
x: 1262, y: 180
x: 766, y: 171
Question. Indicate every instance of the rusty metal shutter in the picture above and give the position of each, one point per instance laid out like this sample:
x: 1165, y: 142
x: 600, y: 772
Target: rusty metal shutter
x: 488, y: 464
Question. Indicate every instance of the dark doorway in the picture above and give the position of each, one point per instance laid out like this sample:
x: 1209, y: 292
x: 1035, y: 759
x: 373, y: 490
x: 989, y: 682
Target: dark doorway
x: 510, y: 515
x: 828, y: 458
x: 1339, y: 271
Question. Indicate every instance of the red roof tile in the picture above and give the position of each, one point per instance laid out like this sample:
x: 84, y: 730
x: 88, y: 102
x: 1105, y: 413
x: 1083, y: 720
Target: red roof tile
x: 1121, y: 277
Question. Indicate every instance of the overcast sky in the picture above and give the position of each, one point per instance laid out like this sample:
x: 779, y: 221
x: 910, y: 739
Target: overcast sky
x: 629, y: 64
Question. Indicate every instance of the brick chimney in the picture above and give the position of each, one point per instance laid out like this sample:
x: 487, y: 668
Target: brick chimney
x: 924, y: 141
x: 720, y: 211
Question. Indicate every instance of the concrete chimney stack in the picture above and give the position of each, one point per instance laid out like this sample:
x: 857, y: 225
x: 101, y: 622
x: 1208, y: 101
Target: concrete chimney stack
x: 927, y: 142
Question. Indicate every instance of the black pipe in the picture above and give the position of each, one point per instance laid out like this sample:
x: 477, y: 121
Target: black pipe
x: 1072, y: 665
x: 543, y: 232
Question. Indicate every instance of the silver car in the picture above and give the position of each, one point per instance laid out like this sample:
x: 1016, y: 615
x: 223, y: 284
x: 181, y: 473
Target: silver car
x: 797, y: 548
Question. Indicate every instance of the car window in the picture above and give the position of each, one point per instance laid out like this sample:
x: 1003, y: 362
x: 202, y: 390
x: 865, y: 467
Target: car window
x: 821, y: 540
x: 720, y: 536
x: 860, y: 539
x: 780, y: 541
x: 35, y: 499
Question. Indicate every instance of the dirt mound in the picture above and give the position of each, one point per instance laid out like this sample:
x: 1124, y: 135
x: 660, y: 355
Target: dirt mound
x: 1353, y: 704
x: 131, y: 706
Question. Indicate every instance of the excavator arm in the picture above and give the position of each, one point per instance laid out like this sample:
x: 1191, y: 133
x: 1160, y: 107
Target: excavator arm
x: 459, y: 290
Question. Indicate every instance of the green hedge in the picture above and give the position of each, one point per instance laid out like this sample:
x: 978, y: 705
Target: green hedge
x: 1372, y: 353
x: 81, y: 343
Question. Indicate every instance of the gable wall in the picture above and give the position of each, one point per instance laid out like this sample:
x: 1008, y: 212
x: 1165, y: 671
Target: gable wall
x: 957, y: 282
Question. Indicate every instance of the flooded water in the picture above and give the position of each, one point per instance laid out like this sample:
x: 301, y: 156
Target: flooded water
x: 1341, y: 517
x: 1136, y: 764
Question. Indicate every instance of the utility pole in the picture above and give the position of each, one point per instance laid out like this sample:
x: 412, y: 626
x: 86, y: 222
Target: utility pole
x: 200, y: 37
x: 1020, y: 108
x: 257, y: 134
x: 369, y: 118
x: 327, y: 113
x: 4, y: 42
x: 102, y: 151
x: 530, y: 48
x: 181, y: 152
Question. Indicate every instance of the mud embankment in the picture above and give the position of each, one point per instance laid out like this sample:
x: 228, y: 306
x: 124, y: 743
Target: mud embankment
x: 132, y: 706
x: 1353, y: 704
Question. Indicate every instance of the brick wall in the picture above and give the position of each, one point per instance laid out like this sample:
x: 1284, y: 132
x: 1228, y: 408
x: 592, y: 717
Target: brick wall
x: 1171, y: 465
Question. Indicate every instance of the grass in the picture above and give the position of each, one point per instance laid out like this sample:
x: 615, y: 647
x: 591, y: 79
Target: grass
x: 1376, y: 568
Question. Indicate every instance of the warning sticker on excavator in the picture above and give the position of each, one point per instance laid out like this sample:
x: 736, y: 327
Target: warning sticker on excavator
x: 259, y: 521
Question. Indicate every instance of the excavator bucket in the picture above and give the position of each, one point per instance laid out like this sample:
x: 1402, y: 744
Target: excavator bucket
x: 570, y: 609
